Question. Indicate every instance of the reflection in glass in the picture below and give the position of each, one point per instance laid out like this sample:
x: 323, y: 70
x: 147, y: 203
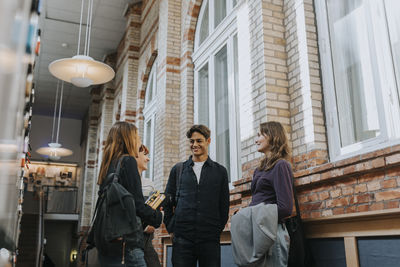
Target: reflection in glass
x: 203, y: 96
x: 222, y: 109
x: 393, y: 19
x: 147, y: 173
x: 219, y: 11
x: 355, y: 69
x: 204, y: 25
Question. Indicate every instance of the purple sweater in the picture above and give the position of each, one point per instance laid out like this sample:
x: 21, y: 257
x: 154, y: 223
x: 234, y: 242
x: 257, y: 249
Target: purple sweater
x: 274, y: 187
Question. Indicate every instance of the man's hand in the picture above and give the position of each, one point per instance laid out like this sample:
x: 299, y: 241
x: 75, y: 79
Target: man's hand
x: 149, y: 229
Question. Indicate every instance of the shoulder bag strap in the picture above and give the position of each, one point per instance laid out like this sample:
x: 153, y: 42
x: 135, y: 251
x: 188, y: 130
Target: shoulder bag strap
x: 179, y: 169
x: 296, y: 202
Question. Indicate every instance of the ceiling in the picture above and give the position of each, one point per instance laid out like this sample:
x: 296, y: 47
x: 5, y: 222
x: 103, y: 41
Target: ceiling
x: 59, y: 24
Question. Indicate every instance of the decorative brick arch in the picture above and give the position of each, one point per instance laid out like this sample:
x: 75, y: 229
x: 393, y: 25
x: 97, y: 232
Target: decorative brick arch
x: 191, y: 18
x: 144, y: 76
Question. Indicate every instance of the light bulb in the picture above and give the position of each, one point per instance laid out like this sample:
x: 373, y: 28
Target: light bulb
x: 81, y: 81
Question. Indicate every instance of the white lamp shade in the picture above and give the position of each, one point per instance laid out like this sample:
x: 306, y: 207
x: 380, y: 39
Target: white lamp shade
x: 81, y: 71
x: 54, y: 151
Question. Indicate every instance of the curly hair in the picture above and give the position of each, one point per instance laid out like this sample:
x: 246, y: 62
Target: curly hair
x: 278, y: 144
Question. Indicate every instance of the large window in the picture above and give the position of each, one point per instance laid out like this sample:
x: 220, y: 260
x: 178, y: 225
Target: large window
x: 359, y: 43
x: 215, y: 81
x: 149, y: 113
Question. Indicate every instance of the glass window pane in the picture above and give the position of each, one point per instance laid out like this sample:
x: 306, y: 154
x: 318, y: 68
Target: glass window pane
x: 356, y: 75
x: 393, y: 19
x: 234, y: 2
x: 379, y: 251
x: 147, y: 143
x: 222, y: 109
x: 235, y: 61
x: 149, y: 89
x: 204, y: 25
x: 203, y: 96
x: 328, y: 252
x: 219, y: 11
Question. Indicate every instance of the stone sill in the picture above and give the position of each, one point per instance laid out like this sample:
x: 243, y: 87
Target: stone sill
x: 379, y: 159
x: 359, y: 216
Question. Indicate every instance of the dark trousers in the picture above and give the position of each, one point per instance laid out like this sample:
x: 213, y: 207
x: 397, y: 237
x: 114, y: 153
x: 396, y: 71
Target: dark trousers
x: 186, y: 253
x: 150, y: 255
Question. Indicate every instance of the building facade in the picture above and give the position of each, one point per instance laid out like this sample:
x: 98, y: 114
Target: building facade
x: 329, y: 71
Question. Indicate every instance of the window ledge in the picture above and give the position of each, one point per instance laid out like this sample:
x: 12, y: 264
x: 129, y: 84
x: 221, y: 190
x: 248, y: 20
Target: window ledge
x: 359, y: 216
x: 379, y: 159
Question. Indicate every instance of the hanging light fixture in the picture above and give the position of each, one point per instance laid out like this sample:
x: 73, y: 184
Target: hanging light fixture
x: 82, y: 70
x: 55, y: 151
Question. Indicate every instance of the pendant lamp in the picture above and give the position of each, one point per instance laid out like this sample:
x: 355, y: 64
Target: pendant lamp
x: 82, y: 70
x: 55, y: 151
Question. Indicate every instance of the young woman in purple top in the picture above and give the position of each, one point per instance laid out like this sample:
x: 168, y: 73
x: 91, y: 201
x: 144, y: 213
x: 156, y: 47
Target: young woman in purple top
x: 272, y: 184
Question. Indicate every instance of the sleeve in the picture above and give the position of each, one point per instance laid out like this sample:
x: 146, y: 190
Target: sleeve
x: 170, y: 192
x: 132, y: 182
x: 224, y: 200
x: 283, y: 189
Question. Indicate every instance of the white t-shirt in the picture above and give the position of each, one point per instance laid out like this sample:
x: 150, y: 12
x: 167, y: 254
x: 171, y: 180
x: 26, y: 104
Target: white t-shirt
x: 197, y: 169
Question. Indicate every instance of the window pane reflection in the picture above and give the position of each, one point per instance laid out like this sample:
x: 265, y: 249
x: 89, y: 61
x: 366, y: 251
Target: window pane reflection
x: 203, y: 96
x: 355, y: 69
x: 219, y: 11
x: 222, y: 109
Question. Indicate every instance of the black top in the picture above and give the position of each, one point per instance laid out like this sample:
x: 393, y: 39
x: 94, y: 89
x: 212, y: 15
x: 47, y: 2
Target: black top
x: 130, y: 179
x: 202, y: 209
x: 274, y: 187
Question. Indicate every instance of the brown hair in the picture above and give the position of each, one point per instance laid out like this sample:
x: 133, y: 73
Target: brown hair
x: 122, y: 139
x: 278, y: 144
x: 201, y: 129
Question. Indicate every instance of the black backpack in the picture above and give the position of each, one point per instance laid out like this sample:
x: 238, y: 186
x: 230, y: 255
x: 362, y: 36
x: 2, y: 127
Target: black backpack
x: 115, y: 220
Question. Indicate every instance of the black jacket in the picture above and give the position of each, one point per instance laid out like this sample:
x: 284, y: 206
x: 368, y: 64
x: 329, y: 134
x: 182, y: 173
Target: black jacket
x: 130, y: 179
x: 202, y: 209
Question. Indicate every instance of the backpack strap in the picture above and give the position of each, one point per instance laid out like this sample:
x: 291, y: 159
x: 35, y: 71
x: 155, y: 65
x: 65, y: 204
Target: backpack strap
x: 118, y: 170
x: 179, y: 170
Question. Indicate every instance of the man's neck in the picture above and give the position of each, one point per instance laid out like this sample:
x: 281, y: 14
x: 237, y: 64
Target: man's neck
x: 200, y: 158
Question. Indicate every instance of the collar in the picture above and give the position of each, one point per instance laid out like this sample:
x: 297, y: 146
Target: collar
x: 208, y: 161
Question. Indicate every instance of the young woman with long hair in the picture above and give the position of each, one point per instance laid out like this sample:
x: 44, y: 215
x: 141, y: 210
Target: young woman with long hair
x: 123, y: 141
x: 150, y: 254
x: 272, y: 184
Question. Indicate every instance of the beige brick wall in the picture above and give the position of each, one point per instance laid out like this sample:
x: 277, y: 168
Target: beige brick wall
x: 305, y: 90
x: 168, y: 83
x: 90, y: 168
x: 284, y: 85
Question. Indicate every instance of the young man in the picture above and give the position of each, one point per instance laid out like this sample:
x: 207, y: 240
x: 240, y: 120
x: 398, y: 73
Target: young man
x: 199, y: 214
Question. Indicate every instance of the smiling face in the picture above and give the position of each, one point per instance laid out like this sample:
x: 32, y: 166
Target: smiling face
x: 262, y: 142
x: 199, y: 146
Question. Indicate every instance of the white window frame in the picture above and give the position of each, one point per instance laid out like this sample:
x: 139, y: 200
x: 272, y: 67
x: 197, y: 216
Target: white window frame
x: 204, y: 54
x: 390, y: 116
x: 149, y: 114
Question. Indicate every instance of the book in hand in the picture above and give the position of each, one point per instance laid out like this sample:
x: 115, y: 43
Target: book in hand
x: 155, y: 199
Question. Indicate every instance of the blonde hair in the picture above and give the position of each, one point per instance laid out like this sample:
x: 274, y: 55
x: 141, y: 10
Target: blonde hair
x: 278, y: 144
x: 122, y: 139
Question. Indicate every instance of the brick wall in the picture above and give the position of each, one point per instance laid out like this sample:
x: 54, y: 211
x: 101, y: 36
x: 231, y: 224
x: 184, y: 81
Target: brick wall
x: 284, y: 85
x: 363, y: 183
x: 90, y: 168
x: 307, y: 119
